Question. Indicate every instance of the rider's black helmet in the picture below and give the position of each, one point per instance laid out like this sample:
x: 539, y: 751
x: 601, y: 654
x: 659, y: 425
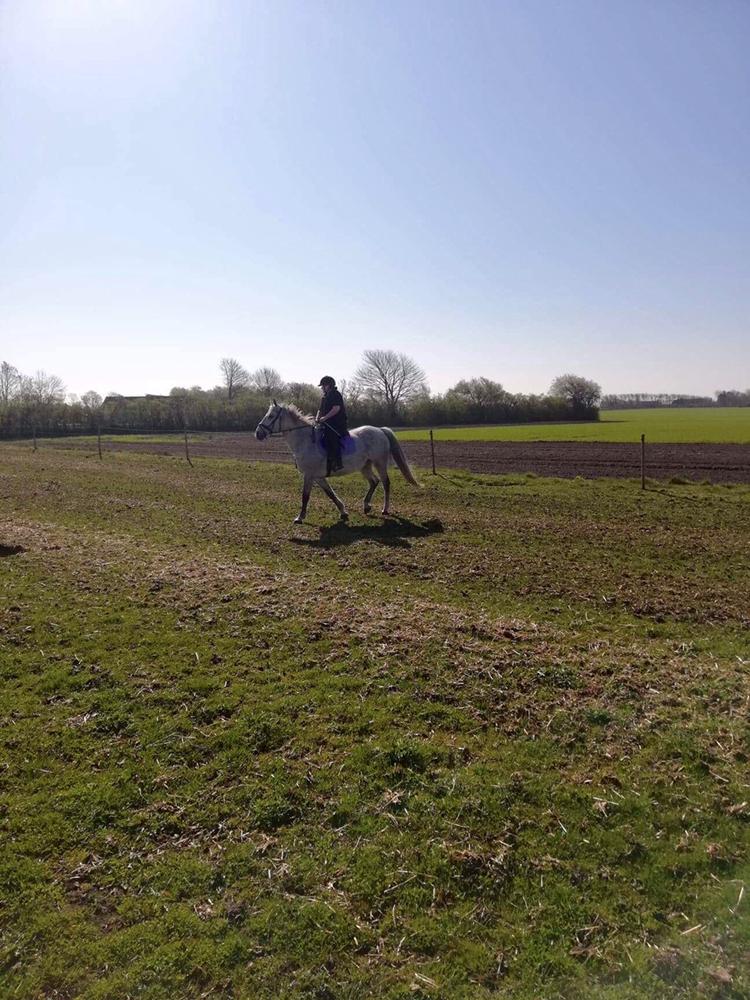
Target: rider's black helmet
x: 327, y: 380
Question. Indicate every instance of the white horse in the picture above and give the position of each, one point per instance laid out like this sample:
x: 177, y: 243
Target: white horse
x: 364, y: 448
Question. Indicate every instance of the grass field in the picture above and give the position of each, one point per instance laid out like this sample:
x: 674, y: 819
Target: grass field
x: 496, y: 746
x: 730, y: 425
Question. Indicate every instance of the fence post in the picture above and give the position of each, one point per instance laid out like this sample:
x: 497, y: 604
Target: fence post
x: 99, y: 438
x: 432, y: 450
x: 643, y: 461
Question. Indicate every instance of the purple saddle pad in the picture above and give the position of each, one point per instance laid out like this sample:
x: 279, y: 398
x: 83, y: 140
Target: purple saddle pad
x: 347, y: 444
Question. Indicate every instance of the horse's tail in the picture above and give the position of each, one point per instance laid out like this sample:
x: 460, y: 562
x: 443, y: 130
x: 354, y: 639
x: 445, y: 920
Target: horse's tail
x: 398, y: 456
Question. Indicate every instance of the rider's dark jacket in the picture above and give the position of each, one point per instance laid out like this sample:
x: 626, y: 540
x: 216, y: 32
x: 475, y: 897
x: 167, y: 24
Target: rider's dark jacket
x: 334, y: 398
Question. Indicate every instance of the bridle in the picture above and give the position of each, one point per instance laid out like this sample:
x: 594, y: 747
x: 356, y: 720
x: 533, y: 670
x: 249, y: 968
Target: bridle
x: 269, y: 428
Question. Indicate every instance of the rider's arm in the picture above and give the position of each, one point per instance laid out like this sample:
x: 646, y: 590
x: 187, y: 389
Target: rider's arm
x: 331, y: 413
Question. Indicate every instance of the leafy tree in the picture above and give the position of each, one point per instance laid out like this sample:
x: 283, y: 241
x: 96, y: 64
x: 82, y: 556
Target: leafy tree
x: 482, y: 392
x: 235, y: 376
x: 93, y: 407
x: 392, y: 378
x: 87, y: 411
x: 91, y: 400
x: 303, y: 394
x: 581, y: 393
x: 732, y: 397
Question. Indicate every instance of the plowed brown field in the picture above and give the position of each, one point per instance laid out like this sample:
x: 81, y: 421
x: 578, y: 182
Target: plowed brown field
x: 718, y: 463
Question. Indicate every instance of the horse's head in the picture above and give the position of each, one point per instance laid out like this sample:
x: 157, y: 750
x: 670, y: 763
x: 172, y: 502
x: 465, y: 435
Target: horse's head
x: 270, y: 421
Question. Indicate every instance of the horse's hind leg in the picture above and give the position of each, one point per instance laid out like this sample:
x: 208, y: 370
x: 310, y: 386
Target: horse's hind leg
x: 373, y: 480
x: 382, y: 468
x: 306, y: 490
x: 325, y: 486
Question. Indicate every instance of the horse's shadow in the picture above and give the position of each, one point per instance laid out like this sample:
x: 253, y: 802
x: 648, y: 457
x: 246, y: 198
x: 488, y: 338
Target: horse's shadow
x: 392, y: 531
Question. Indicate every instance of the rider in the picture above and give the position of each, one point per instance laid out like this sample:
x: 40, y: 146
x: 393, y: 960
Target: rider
x: 332, y: 415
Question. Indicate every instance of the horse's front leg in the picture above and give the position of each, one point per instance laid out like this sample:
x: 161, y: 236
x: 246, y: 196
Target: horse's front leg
x: 325, y: 486
x: 307, y: 485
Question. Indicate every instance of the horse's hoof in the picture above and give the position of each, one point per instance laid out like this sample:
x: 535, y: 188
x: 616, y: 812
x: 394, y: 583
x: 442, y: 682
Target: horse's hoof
x: 386, y: 513
x: 368, y: 508
x: 298, y: 520
x: 344, y: 516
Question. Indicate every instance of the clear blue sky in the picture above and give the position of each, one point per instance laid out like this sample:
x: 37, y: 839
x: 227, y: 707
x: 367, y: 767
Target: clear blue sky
x: 517, y: 189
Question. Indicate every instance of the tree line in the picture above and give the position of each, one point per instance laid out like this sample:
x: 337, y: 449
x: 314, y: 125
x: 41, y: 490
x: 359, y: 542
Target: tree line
x: 652, y: 400
x: 386, y: 388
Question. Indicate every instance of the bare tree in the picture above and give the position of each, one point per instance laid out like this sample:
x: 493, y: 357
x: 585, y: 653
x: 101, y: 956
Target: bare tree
x: 581, y: 393
x: 350, y: 389
x: 391, y: 377
x: 235, y: 376
x: 267, y: 380
x: 38, y: 394
x: 10, y: 382
x: 42, y: 389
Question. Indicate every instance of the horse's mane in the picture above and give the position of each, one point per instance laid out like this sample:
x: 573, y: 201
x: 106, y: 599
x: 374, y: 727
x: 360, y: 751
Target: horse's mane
x: 304, y: 417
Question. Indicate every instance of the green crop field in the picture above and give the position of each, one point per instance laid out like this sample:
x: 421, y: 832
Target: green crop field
x: 730, y: 425
x: 493, y: 747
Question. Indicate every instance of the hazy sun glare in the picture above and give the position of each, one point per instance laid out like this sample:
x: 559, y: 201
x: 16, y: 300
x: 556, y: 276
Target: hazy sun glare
x: 71, y: 36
